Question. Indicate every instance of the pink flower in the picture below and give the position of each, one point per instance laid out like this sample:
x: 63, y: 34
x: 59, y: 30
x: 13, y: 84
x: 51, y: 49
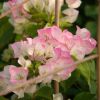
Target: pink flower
x: 52, y: 36
x: 39, y: 46
x: 42, y: 46
x: 4, y: 77
x: 16, y: 13
x: 81, y: 48
x: 83, y: 33
x: 77, y: 45
x: 12, y: 75
x: 19, y: 48
x: 23, y: 48
x: 84, y: 44
x: 45, y: 33
x: 62, y: 59
x: 65, y: 40
x: 56, y: 37
x: 18, y: 74
x: 73, y: 3
x: 54, y: 48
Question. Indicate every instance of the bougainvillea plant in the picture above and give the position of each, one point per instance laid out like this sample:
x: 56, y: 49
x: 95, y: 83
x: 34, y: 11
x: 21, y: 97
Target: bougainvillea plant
x: 27, y: 14
x: 51, y: 49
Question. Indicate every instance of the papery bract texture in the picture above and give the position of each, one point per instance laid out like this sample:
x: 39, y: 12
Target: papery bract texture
x: 71, y: 15
x: 54, y: 49
x: 16, y: 13
x: 18, y: 74
x: 73, y: 3
x: 61, y: 60
x: 50, y: 38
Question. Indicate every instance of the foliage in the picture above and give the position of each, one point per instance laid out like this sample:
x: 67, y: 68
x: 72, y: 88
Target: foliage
x: 82, y: 82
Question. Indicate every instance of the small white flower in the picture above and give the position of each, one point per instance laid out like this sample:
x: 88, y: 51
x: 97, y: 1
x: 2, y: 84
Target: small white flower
x: 73, y: 3
x: 71, y: 15
x: 23, y: 62
x: 57, y: 96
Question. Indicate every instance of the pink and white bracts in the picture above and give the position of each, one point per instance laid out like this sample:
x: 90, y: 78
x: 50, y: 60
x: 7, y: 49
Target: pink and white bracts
x: 71, y: 13
x: 56, y: 48
x: 52, y: 47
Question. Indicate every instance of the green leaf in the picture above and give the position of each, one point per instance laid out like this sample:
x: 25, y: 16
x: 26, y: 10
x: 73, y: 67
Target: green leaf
x: 40, y: 16
x: 26, y: 97
x: 65, y: 24
x: 2, y: 64
x: 7, y: 54
x: 6, y: 33
x: 92, y: 26
x: 44, y: 93
x: 0, y: 7
x: 31, y: 28
x: 65, y: 85
x: 84, y: 96
x: 2, y: 98
x: 91, y: 11
x: 87, y: 69
x: 19, y: 37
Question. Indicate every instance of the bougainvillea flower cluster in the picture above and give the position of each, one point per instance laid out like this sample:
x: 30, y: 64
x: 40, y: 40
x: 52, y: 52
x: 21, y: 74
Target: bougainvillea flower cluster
x: 16, y: 13
x: 54, y: 49
x: 13, y: 75
x: 21, y: 17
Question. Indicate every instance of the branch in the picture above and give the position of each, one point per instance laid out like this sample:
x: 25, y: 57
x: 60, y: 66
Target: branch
x: 57, y: 11
x: 40, y: 78
x: 98, y: 49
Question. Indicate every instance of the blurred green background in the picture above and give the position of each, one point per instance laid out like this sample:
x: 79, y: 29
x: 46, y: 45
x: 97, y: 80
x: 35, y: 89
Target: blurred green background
x: 82, y: 84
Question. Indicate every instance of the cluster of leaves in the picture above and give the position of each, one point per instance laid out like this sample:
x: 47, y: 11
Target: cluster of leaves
x: 82, y: 83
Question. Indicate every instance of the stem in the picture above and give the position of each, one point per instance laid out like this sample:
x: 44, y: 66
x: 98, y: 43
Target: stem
x: 98, y: 59
x: 57, y: 11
